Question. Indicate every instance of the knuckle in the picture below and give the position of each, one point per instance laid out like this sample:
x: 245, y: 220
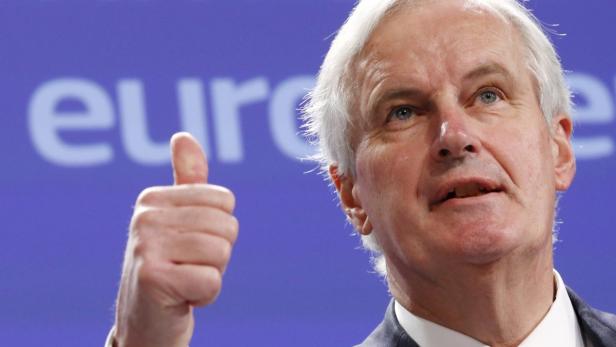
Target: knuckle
x: 225, y: 252
x: 143, y: 217
x: 234, y: 227
x: 142, y: 248
x: 149, y: 196
x: 148, y: 275
x: 223, y: 196
x: 211, y: 286
x: 230, y: 200
x: 194, y: 191
x: 229, y: 228
x: 213, y: 282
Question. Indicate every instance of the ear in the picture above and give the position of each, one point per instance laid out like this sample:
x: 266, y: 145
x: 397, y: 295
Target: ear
x: 562, y: 151
x: 351, y: 204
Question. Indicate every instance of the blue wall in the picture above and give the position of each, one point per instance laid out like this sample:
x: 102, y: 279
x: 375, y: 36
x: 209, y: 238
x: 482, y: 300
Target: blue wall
x: 92, y: 90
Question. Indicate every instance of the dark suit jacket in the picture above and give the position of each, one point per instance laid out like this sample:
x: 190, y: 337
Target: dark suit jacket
x: 598, y: 328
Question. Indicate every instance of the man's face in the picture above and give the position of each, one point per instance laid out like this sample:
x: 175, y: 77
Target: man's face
x: 454, y: 159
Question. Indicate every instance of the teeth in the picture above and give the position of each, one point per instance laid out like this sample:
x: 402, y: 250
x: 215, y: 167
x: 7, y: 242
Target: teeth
x: 468, y: 190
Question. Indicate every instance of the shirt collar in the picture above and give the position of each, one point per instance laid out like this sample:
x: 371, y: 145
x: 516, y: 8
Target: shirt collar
x: 559, y: 327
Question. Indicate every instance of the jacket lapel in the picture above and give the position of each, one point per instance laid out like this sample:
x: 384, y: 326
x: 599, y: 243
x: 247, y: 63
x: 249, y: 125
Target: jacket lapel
x: 389, y: 333
x: 598, y: 328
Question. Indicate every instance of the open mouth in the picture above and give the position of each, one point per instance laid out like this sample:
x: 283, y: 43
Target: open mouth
x: 467, y: 190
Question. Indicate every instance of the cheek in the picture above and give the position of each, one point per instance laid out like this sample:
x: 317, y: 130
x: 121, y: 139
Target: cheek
x: 387, y: 178
x: 541, y: 182
x: 371, y: 178
x: 537, y: 161
x: 524, y: 152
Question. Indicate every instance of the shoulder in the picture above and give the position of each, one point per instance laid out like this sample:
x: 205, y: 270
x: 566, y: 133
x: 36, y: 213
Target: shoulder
x: 597, y: 326
x: 389, y: 333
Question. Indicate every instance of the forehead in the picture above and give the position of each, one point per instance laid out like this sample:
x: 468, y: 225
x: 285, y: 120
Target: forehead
x: 438, y: 39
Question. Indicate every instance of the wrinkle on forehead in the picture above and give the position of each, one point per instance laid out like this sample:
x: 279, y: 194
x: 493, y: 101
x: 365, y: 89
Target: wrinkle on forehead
x: 374, y: 64
x: 371, y: 70
x: 367, y: 69
x: 369, y: 55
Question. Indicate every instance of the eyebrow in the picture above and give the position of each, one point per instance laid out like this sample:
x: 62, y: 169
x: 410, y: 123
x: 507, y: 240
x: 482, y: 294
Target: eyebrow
x: 401, y: 93
x: 398, y: 93
x: 488, y: 69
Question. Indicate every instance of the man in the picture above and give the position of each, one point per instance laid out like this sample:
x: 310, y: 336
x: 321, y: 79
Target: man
x: 445, y: 127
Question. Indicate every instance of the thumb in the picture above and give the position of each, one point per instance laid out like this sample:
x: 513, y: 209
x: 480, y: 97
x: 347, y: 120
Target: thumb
x: 188, y: 159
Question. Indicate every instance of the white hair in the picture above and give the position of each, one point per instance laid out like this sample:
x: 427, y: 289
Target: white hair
x: 327, y: 113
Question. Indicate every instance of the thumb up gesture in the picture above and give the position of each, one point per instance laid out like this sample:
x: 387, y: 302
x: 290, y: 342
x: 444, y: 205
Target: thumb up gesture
x: 178, y: 247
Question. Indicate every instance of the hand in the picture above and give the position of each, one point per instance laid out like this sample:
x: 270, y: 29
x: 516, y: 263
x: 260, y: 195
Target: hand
x: 178, y: 247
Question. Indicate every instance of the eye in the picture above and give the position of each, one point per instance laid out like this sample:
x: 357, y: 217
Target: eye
x: 488, y: 97
x: 401, y: 113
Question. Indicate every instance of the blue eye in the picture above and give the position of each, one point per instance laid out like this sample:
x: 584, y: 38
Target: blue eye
x: 401, y: 113
x: 488, y: 97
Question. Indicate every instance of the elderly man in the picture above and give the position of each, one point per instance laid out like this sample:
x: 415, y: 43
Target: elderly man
x: 445, y: 127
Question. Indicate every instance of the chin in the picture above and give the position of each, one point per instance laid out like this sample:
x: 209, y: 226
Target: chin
x: 485, y: 243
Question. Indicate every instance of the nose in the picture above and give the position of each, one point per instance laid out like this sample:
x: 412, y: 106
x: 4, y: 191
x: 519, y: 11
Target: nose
x: 454, y: 141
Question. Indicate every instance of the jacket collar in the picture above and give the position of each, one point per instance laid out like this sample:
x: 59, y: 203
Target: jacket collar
x: 598, y: 328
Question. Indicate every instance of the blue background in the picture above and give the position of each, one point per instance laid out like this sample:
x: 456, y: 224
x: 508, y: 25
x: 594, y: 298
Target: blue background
x: 297, y: 275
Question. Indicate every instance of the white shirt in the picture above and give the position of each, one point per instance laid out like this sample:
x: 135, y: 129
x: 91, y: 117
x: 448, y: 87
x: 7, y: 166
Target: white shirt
x: 559, y: 327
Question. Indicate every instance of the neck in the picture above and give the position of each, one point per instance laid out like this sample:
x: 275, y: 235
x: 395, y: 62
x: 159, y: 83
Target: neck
x: 498, y: 304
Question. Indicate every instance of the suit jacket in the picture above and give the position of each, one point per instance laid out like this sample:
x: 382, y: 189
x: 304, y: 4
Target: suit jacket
x: 598, y: 328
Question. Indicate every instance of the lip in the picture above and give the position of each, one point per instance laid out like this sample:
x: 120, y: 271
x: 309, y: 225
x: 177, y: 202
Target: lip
x: 440, y: 195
